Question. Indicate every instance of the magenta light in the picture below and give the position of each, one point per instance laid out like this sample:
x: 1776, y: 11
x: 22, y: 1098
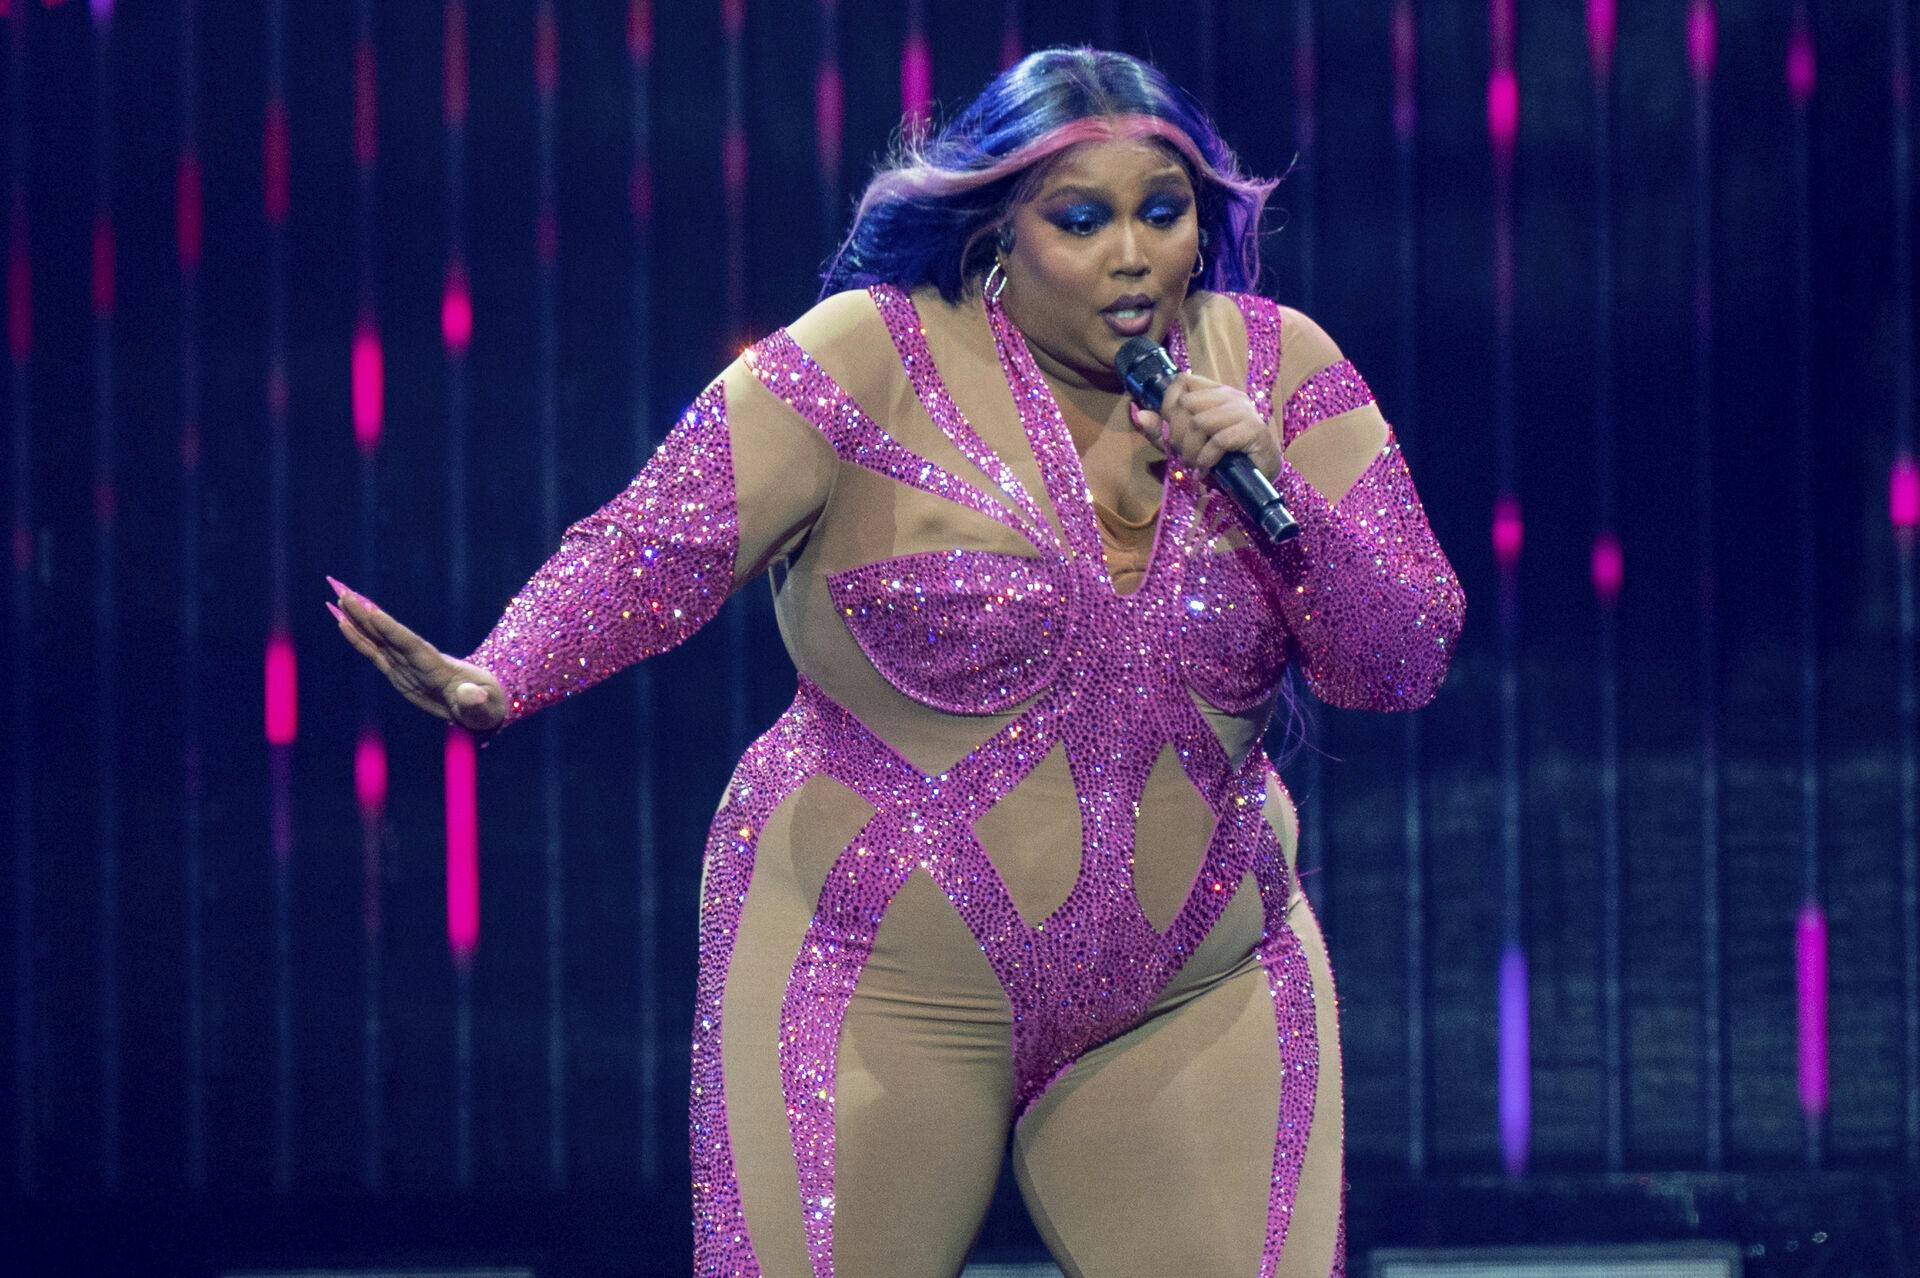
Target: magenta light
x: 1009, y: 46
x: 453, y: 66
x: 546, y: 52
x: 640, y: 30
x: 275, y: 164
x: 1800, y: 70
x: 19, y: 282
x: 829, y: 115
x: 370, y: 774
x: 106, y: 501
x: 1516, y: 1070
x: 102, y: 266
x: 733, y: 164
x: 463, y: 846
x: 369, y: 385
x: 102, y: 10
x: 546, y: 235
x: 640, y: 194
x: 277, y: 385
x: 1903, y: 494
x: 456, y: 310
x: 1508, y: 530
x: 283, y: 715
x: 1810, y: 984
x: 916, y: 80
x: 1701, y: 40
x: 1405, y: 52
x: 190, y: 446
x: 1503, y: 108
x: 733, y: 18
x: 188, y: 211
x: 366, y: 106
x: 1608, y: 568
x: 1602, y: 23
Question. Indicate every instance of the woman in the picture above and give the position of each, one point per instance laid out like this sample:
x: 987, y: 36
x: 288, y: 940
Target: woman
x: 1014, y: 862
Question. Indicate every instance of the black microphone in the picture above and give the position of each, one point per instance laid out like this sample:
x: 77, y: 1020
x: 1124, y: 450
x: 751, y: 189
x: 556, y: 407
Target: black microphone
x: 1146, y: 370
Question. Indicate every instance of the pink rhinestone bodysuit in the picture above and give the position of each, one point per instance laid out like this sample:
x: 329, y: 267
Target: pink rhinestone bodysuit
x: 1010, y: 627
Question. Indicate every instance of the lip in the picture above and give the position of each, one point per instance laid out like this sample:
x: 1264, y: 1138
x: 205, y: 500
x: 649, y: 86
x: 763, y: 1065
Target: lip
x: 1133, y: 327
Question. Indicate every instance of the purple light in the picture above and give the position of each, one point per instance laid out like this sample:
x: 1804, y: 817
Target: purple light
x: 188, y: 211
x: 463, y: 846
x: 1810, y: 983
x: 102, y: 10
x: 1503, y: 109
x: 283, y: 714
x: 453, y: 72
x: 102, y: 266
x: 19, y: 283
x: 1800, y: 62
x: 456, y: 310
x: 1516, y: 1073
x: 733, y: 17
x: 1602, y: 23
x: 1701, y: 40
x: 369, y: 385
x: 1508, y: 530
x: 1903, y: 494
x: 640, y: 30
x: 106, y: 501
x: 366, y: 106
x: 829, y: 115
x: 370, y: 774
x: 640, y: 194
x: 1608, y: 568
x: 1405, y: 50
x: 916, y: 81
x: 733, y: 164
x: 275, y: 163
x: 546, y: 235
x: 546, y: 53
x: 1009, y: 43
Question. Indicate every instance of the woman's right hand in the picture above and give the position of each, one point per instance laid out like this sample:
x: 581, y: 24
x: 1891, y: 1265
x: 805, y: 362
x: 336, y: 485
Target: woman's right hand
x: 444, y: 686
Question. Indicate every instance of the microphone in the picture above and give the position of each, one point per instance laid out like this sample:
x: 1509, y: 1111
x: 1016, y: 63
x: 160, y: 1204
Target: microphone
x: 1146, y: 370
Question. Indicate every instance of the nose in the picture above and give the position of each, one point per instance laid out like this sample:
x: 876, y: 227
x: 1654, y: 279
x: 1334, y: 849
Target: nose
x: 1131, y: 256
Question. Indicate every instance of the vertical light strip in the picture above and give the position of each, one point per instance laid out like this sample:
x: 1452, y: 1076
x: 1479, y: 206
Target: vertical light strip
x: 106, y: 723
x: 1606, y: 571
x: 459, y: 770
x: 1311, y: 858
x: 1810, y: 933
x: 829, y: 123
x: 916, y: 74
x: 1405, y: 42
x: 1702, y: 46
x: 368, y: 373
x: 1903, y: 509
x: 640, y: 362
x: 1012, y: 45
x: 26, y: 1028
x: 188, y: 223
x: 282, y: 689
x: 546, y: 80
x: 733, y: 181
x: 1503, y: 126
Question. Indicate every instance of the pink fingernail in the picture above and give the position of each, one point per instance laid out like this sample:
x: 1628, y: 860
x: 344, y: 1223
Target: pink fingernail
x: 339, y: 588
x: 337, y: 614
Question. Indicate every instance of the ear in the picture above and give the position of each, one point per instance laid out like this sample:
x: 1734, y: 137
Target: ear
x: 1004, y: 240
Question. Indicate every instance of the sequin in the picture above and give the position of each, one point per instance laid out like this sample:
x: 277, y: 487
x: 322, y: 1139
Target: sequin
x: 1363, y: 597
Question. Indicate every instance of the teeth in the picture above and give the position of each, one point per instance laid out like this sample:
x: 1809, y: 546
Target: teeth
x: 1131, y: 313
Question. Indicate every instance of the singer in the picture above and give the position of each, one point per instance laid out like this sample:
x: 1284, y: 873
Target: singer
x: 1014, y: 865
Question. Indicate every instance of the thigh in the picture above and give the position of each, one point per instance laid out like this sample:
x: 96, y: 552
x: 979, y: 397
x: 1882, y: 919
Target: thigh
x: 1177, y: 1147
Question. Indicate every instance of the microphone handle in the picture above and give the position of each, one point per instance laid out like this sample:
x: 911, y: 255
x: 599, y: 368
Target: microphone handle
x: 1256, y: 495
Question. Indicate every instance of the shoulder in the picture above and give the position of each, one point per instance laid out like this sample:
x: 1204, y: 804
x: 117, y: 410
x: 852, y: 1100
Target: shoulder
x: 833, y: 322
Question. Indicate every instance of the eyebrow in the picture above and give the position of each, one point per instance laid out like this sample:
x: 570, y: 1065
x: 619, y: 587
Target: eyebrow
x: 1164, y: 178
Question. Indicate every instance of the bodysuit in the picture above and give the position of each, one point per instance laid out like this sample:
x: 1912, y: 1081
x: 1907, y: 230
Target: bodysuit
x: 1013, y: 866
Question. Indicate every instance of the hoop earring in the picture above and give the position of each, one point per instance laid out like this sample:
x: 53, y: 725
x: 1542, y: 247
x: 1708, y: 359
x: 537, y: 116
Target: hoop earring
x: 991, y: 288
x: 1199, y: 264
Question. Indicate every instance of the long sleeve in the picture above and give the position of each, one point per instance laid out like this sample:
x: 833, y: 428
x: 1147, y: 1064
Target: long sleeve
x: 738, y: 481
x: 1369, y: 595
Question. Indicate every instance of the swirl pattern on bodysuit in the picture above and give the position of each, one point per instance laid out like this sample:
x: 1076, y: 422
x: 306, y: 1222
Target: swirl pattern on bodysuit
x: 1367, y: 595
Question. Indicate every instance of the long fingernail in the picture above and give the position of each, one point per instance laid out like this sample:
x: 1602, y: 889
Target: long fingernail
x: 337, y: 614
x: 339, y: 588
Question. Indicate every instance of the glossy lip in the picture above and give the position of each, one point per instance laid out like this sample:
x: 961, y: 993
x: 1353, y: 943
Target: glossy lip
x: 1130, y: 301
x: 1129, y: 328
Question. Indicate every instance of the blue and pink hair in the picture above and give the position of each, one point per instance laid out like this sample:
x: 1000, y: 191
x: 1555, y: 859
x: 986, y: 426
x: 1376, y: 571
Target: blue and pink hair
x: 930, y: 214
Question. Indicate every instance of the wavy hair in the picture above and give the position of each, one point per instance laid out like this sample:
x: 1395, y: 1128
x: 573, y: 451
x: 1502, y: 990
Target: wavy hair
x: 929, y: 214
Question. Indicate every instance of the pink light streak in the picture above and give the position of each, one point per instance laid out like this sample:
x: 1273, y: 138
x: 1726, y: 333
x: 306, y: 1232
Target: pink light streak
x: 829, y: 115
x: 277, y: 396
x: 106, y: 501
x: 1503, y: 109
x: 1800, y: 61
x: 1602, y: 25
x: 370, y: 775
x: 640, y: 30
x: 1702, y: 40
x: 453, y: 71
x: 1903, y: 495
x: 733, y: 18
x: 463, y: 846
x: 369, y: 385
x: 282, y: 685
x: 102, y: 272
x: 19, y: 283
x: 1810, y: 986
x: 456, y: 310
x: 1010, y: 45
x: 366, y: 106
x: 1516, y: 1068
x: 188, y: 211
x: 546, y: 235
x: 1608, y: 568
x: 1509, y: 532
x: 1406, y: 42
x: 640, y: 194
x: 190, y: 446
x: 733, y: 164
x: 916, y: 81
x: 275, y: 163
x: 546, y: 53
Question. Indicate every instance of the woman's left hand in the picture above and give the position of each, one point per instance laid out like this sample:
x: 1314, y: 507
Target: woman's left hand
x: 1200, y: 420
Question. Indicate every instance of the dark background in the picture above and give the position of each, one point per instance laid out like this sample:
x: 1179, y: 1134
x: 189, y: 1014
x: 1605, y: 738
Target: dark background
x: 638, y: 315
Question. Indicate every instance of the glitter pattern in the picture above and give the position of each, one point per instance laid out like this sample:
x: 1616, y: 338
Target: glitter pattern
x: 1335, y: 389
x: 1364, y: 591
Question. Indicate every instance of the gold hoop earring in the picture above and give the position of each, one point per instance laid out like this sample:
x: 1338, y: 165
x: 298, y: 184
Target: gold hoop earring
x: 992, y: 288
x: 1199, y: 264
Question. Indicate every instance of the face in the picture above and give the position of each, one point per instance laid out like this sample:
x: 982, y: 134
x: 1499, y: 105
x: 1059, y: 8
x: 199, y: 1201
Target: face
x: 1102, y: 252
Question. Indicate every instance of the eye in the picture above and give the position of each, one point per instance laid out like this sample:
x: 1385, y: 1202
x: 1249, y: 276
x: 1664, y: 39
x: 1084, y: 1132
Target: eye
x: 1166, y: 213
x: 1080, y: 219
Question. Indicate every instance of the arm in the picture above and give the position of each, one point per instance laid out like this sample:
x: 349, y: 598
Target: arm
x: 1366, y: 589
x: 737, y: 483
